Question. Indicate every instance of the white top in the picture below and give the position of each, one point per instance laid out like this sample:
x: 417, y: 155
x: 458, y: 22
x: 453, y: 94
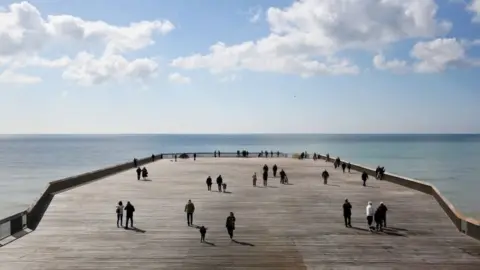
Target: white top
x: 370, y: 211
x: 120, y: 207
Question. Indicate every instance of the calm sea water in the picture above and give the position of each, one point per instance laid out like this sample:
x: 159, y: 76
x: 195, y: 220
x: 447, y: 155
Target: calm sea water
x: 28, y: 163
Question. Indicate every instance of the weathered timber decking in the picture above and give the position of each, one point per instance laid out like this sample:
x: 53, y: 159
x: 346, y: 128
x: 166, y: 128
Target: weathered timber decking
x: 297, y: 226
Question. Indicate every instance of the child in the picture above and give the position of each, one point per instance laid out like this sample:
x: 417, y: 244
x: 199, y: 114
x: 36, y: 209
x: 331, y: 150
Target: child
x: 224, y: 185
x: 203, y: 232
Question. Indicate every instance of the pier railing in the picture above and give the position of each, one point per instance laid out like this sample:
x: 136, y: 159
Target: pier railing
x: 466, y: 225
x: 16, y: 225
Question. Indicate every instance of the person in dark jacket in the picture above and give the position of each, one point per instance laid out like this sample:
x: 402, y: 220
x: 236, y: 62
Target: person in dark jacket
x: 129, y: 209
x: 278, y: 153
x: 144, y: 173
x: 380, y: 216
x: 377, y: 172
x: 230, y: 224
x: 349, y: 167
x: 282, y: 176
x: 194, y: 156
x: 139, y: 172
x: 203, y: 232
x: 153, y: 157
x: 189, y: 209
x: 347, y: 213
x: 209, y: 183
x: 135, y: 162
x: 265, y: 178
x: 325, y: 176
x: 344, y: 166
x: 219, y: 183
x: 175, y: 157
x: 364, y: 178
x: 274, y: 169
x: 265, y: 168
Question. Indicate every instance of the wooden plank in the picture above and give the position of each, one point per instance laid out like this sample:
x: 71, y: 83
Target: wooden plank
x: 298, y: 226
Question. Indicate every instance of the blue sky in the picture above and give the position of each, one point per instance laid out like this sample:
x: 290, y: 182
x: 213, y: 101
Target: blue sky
x: 320, y: 66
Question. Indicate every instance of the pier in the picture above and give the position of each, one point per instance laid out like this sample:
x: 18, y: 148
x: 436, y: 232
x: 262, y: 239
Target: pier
x: 295, y: 226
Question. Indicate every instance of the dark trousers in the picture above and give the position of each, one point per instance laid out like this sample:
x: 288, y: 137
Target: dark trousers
x: 202, y: 237
x: 219, y: 187
x: 190, y: 218
x: 274, y: 173
x: 364, y: 182
x: 369, y: 221
x: 209, y: 187
x: 138, y: 176
x: 131, y: 221
x: 379, y: 223
x: 348, y: 220
x: 385, y: 221
x: 230, y: 232
x: 119, y: 220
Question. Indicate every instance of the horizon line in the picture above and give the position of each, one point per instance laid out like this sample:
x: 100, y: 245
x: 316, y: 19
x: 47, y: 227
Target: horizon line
x: 253, y: 133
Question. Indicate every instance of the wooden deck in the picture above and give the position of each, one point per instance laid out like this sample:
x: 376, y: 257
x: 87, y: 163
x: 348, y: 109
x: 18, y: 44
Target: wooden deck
x: 297, y: 226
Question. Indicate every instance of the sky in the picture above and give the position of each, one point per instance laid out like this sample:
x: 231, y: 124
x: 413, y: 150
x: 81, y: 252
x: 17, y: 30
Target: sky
x: 220, y: 66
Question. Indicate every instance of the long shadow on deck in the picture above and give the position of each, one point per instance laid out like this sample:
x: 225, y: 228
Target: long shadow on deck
x: 135, y: 229
x: 243, y: 243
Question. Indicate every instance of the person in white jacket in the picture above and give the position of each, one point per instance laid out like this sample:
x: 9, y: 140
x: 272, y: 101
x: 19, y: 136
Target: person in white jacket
x: 370, y: 211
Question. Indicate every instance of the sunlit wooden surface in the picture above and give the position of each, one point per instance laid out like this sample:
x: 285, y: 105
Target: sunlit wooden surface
x: 298, y: 226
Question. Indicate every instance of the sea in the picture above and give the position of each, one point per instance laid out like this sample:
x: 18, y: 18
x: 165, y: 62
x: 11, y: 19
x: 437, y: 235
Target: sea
x: 448, y: 161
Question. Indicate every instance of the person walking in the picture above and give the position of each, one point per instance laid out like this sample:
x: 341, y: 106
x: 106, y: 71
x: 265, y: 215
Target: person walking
x: 325, y: 176
x: 189, y: 209
x: 203, y: 232
x: 274, y: 169
x: 349, y: 167
x: 209, y: 183
x: 230, y: 224
x: 119, y: 211
x: 344, y: 166
x: 254, y: 179
x: 370, y: 213
x: 219, y: 183
x: 265, y: 178
x: 380, y: 215
x: 364, y: 178
x: 139, y: 173
x: 129, y: 209
x: 347, y: 213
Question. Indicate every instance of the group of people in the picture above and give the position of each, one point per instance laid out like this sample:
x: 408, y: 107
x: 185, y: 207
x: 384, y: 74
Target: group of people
x: 142, y: 172
x: 283, y: 175
x: 378, y: 215
x: 230, y: 223
x: 220, y: 183
x: 128, y: 209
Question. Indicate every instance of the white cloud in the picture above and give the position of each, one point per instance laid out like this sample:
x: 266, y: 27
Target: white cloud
x: 395, y: 65
x: 25, y: 33
x: 437, y: 55
x: 87, y: 70
x: 475, y: 8
x: 178, y: 78
x: 432, y: 57
x: 10, y: 77
x: 255, y: 14
x: 306, y: 36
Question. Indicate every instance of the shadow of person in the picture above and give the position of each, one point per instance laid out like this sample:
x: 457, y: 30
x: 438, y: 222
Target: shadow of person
x: 393, y: 233
x: 395, y: 229
x: 243, y: 243
x: 195, y: 226
x: 333, y: 185
x: 209, y: 243
x: 359, y: 229
x: 146, y: 180
x: 135, y: 229
x: 371, y: 186
x: 228, y: 192
x: 288, y: 184
x: 272, y: 186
